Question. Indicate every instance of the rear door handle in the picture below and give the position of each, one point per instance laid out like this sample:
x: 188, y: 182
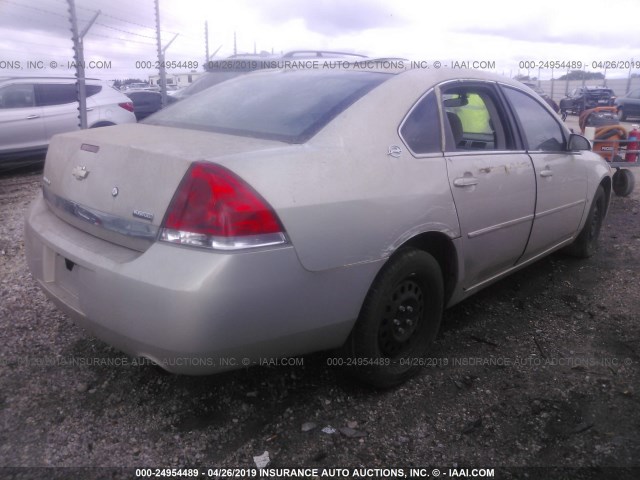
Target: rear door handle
x: 547, y: 172
x: 465, y: 181
x: 31, y: 117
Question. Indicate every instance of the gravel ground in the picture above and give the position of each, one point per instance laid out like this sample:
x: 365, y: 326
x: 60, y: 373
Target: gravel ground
x: 538, y: 370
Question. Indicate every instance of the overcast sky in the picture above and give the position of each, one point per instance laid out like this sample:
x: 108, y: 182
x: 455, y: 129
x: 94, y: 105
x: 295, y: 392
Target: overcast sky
x: 504, y: 32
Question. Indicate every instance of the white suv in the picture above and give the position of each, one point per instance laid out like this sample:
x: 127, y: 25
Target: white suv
x: 33, y: 109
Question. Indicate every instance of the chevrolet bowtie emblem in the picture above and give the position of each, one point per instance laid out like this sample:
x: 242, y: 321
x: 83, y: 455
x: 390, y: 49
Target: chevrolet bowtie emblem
x: 80, y: 172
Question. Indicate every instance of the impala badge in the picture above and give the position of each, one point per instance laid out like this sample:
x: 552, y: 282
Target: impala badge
x: 114, y: 192
x: 80, y: 172
x: 141, y: 214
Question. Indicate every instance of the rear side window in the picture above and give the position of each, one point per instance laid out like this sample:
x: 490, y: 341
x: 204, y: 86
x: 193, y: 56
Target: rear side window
x: 17, y: 96
x: 474, y: 119
x: 421, y: 129
x: 61, y: 93
x: 290, y: 106
x: 55, y: 94
x: 542, y: 132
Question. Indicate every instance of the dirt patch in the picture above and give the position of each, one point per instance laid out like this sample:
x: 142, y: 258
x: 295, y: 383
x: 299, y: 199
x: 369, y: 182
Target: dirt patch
x: 541, y: 369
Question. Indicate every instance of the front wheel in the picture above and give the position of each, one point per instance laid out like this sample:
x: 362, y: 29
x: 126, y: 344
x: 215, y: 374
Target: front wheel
x: 586, y: 244
x: 399, y: 319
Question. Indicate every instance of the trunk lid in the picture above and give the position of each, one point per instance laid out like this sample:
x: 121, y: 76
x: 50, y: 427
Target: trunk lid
x: 117, y: 182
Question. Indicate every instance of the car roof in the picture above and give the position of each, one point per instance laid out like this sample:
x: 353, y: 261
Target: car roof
x: 416, y: 79
x: 398, y: 67
x: 294, y: 54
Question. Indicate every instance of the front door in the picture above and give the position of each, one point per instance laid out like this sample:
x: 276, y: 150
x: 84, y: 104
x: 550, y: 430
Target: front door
x: 560, y: 175
x: 21, y: 125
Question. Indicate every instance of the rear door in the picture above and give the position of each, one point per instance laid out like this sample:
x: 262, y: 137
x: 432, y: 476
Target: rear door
x: 560, y: 175
x: 59, y: 107
x: 492, y: 180
x: 21, y: 125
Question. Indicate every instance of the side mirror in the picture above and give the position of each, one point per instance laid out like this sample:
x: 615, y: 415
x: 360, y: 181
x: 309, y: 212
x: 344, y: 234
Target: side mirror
x: 578, y: 143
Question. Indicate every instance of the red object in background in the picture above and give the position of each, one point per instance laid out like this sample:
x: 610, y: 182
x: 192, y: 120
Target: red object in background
x: 633, y: 144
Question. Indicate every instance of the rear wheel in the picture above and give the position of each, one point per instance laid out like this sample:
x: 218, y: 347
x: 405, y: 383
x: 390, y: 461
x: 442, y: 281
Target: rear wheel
x: 623, y: 182
x: 586, y: 244
x: 399, y: 319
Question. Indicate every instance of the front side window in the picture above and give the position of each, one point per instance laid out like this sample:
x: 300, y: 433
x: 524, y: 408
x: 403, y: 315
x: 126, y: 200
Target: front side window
x: 421, y: 129
x: 17, y: 96
x: 542, y: 132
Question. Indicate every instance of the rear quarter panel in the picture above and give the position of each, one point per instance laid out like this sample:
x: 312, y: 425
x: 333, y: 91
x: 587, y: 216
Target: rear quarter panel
x: 342, y: 199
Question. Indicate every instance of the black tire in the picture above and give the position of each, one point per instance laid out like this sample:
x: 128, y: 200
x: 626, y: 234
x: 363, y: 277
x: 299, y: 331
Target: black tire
x: 586, y: 244
x: 399, y: 319
x: 621, y: 115
x: 623, y: 182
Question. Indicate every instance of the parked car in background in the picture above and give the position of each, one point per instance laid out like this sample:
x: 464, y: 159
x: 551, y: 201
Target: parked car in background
x: 146, y: 102
x: 629, y: 105
x: 33, y: 109
x: 584, y: 98
x: 134, y: 86
x: 550, y: 101
x: 209, y: 79
x: 285, y: 212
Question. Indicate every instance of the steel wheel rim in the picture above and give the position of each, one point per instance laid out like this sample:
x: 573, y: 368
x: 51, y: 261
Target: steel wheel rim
x: 402, y: 317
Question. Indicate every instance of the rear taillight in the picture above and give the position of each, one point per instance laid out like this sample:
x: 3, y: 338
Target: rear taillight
x: 126, y: 106
x: 216, y: 209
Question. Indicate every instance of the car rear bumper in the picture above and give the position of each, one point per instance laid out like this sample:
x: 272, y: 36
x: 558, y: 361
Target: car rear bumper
x: 193, y: 311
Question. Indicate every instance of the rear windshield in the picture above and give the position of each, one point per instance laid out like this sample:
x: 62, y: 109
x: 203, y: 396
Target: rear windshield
x: 208, y: 80
x: 290, y: 106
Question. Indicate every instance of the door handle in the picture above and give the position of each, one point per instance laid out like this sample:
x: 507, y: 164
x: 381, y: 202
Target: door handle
x: 547, y: 172
x: 31, y: 117
x: 89, y: 109
x: 465, y: 181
